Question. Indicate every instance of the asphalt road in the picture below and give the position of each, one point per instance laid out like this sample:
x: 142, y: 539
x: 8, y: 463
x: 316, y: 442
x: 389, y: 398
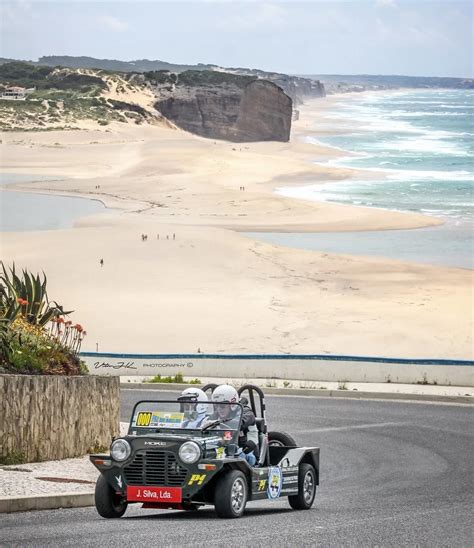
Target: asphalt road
x: 392, y: 474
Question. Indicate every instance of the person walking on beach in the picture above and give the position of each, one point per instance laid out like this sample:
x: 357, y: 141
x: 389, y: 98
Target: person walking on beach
x: 102, y: 262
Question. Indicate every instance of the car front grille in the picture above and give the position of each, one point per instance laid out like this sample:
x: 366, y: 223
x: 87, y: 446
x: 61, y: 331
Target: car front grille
x: 155, y: 468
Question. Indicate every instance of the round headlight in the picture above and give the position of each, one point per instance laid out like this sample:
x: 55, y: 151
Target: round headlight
x: 120, y: 450
x: 189, y: 452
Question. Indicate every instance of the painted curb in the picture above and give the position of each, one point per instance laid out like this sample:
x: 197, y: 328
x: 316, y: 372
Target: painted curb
x: 316, y: 393
x: 46, y: 502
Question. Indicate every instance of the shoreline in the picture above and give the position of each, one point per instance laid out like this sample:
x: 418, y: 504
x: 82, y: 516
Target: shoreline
x: 214, y: 288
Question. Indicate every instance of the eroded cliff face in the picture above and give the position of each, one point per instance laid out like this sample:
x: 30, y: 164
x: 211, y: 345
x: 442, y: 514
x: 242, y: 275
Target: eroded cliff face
x: 241, y: 110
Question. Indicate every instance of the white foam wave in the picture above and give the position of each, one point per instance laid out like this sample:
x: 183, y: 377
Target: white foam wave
x: 430, y: 143
x: 420, y: 175
x: 408, y: 114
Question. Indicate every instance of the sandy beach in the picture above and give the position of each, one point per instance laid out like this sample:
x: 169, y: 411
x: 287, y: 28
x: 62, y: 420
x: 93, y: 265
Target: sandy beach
x: 198, y: 282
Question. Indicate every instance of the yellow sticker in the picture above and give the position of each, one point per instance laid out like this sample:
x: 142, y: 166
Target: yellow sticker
x: 143, y: 419
x: 262, y: 484
x: 197, y: 478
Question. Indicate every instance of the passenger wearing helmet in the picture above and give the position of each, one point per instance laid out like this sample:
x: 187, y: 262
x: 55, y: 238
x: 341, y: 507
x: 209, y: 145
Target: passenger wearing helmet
x: 193, y: 405
x: 226, y: 394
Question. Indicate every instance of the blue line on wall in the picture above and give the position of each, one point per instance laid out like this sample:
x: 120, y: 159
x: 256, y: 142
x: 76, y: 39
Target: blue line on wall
x: 315, y: 357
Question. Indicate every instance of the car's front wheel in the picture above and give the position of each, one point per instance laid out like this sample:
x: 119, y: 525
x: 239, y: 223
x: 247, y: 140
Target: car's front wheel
x: 306, y: 488
x: 107, y: 502
x: 231, y: 494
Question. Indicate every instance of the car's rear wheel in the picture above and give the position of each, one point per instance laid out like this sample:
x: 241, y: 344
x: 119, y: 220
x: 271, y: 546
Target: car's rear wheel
x: 231, y: 494
x: 306, y: 488
x: 107, y: 502
x: 281, y: 439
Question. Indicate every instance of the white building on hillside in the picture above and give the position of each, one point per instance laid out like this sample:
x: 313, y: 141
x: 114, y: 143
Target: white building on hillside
x: 14, y: 94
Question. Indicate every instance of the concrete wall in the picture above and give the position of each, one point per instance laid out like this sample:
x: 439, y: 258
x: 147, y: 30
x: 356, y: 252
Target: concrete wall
x: 307, y: 367
x: 53, y: 417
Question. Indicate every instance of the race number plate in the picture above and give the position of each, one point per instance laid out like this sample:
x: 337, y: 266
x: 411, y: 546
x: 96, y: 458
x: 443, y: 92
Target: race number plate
x: 153, y: 494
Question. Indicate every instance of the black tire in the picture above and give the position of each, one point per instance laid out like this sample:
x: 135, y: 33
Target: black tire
x: 231, y: 494
x: 281, y: 439
x: 107, y: 503
x: 306, y: 488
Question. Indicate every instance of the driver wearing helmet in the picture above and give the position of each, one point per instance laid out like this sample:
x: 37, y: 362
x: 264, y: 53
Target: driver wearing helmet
x: 225, y: 394
x: 194, y: 406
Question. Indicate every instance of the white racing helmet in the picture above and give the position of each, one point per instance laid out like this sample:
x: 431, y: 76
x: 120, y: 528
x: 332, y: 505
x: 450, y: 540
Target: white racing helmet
x: 225, y: 394
x: 195, y: 395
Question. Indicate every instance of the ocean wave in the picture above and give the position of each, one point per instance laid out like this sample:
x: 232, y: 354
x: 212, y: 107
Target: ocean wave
x: 409, y: 114
x: 430, y: 143
x: 423, y: 175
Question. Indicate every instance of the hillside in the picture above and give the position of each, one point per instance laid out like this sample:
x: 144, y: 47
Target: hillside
x: 339, y: 83
x: 213, y: 104
x: 61, y: 98
x: 297, y: 88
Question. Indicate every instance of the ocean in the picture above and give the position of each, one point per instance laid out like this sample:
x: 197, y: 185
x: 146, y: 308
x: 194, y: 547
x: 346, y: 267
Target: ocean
x: 415, y: 152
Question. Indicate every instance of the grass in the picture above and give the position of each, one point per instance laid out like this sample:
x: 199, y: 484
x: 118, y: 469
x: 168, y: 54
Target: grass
x: 13, y: 458
x: 178, y: 379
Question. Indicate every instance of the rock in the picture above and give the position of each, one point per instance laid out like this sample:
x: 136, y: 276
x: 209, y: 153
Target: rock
x: 238, y: 110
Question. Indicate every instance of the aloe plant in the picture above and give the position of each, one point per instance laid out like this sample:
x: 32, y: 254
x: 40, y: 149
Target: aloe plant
x: 27, y: 294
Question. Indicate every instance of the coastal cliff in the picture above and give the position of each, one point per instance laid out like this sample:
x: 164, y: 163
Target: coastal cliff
x: 223, y: 106
x: 212, y: 104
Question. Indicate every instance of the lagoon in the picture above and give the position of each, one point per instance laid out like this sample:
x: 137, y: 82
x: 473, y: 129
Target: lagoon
x: 447, y: 245
x: 25, y: 211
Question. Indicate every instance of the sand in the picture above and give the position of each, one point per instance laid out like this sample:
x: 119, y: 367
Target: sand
x: 211, y: 287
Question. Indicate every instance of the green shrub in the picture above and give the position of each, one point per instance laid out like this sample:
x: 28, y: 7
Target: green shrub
x: 34, y: 336
x: 178, y: 378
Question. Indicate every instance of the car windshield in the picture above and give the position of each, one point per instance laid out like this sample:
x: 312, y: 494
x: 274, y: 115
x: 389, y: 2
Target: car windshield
x: 186, y: 418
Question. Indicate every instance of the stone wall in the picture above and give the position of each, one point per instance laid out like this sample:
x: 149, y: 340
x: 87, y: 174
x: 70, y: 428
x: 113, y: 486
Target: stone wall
x: 53, y: 417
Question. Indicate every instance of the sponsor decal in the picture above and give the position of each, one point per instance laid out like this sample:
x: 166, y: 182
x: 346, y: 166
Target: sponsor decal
x: 227, y: 435
x: 220, y: 453
x: 274, y: 482
x: 119, y: 481
x: 197, y: 479
x: 154, y: 494
x: 262, y: 484
x: 143, y: 419
x: 156, y: 419
x: 289, y: 479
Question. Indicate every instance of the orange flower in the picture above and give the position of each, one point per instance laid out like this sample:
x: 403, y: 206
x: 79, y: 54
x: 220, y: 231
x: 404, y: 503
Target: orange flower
x: 60, y: 320
x: 68, y: 323
x: 21, y: 301
x: 79, y: 327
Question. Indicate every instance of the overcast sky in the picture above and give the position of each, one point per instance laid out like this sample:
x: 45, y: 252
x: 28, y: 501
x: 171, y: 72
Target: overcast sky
x: 412, y: 37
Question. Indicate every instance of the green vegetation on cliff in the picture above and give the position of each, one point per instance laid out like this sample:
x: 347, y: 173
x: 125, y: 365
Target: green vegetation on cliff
x: 57, y: 98
x: 198, y: 78
x: 48, y: 78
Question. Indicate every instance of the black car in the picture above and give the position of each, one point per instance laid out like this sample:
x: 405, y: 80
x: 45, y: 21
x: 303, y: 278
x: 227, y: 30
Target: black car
x: 175, y: 457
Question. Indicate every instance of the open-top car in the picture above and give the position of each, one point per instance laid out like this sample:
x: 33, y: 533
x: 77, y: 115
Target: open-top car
x: 185, y: 455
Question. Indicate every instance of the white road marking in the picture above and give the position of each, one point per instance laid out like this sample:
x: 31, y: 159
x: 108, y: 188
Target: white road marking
x: 352, y: 427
